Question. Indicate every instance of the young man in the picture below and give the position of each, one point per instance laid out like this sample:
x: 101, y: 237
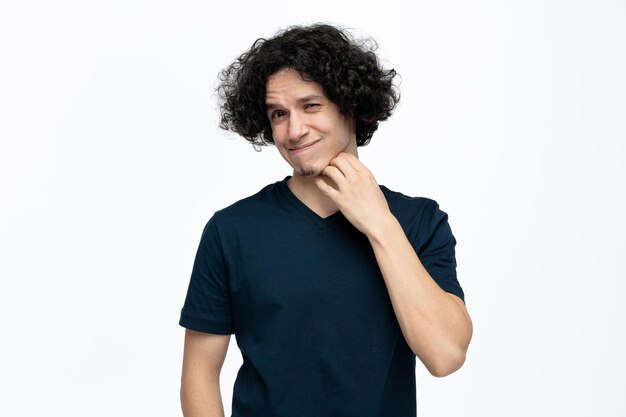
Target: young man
x: 331, y: 283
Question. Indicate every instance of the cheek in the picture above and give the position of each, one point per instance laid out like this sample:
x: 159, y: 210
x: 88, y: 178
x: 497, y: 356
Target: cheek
x: 277, y: 134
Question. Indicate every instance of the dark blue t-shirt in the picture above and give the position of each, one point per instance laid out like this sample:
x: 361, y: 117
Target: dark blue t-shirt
x: 308, y: 305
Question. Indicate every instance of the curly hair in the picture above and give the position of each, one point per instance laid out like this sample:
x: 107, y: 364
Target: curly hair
x: 348, y: 71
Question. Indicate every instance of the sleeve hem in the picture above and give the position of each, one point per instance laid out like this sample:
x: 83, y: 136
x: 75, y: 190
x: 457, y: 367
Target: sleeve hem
x: 204, y: 326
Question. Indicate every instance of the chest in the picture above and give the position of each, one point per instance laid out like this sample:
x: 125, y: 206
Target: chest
x: 298, y: 269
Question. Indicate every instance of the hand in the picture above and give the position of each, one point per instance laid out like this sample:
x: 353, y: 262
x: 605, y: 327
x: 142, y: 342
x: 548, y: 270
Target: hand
x: 354, y: 190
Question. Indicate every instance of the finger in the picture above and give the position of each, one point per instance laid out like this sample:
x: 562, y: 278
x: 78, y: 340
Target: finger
x: 353, y: 160
x: 326, y: 188
x: 343, y: 165
x: 334, y: 174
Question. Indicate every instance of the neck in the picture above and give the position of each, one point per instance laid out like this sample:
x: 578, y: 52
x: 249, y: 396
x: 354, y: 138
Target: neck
x: 305, y: 190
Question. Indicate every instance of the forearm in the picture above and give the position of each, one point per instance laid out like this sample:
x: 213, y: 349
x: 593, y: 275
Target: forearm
x: 201, y: 397
x: 434, y: 324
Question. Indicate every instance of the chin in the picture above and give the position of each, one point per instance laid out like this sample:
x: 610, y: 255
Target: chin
x: 308, y: 173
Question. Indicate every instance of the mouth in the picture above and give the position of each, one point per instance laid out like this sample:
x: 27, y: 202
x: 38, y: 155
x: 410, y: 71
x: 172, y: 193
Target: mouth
x: 304, y: 147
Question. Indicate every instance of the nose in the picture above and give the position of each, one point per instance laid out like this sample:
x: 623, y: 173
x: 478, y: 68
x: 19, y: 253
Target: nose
x: 298, y: 126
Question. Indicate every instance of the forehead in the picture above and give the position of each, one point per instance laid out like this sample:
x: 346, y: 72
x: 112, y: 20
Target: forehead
x: 289, y: 84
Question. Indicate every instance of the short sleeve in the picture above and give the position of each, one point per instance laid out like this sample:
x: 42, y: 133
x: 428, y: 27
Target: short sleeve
x: 207, y: 306
x: 437, y: 252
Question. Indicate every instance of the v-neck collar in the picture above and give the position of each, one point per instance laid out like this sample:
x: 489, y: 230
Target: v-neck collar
x: 303, y: 209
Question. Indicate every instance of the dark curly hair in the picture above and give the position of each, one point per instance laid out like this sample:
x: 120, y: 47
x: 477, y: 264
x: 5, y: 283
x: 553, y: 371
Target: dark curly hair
x: 348, y: 71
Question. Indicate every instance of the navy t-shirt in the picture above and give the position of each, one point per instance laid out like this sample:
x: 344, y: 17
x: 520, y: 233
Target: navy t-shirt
x: 309, y: 307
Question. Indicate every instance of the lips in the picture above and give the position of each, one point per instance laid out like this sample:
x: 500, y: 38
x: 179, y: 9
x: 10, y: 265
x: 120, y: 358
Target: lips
x: 304, y: 147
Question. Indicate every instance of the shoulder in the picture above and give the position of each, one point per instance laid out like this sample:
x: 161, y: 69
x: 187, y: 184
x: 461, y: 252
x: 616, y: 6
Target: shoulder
x: 262, y: 201
x: 249, y: 216
x: 417, y: 215
x: 404, y: 205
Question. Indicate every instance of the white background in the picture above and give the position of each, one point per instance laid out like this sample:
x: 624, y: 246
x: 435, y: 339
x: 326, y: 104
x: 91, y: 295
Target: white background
x: 513, y: 117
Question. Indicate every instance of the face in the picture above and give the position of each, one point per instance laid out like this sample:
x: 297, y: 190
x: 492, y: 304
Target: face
x: 308, y: 129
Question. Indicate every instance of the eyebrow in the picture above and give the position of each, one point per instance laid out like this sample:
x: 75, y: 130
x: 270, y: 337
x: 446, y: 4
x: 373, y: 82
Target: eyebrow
x: 311, y: 97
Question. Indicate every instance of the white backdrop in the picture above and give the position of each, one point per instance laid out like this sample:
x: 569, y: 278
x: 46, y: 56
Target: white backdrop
x: 513, y: 117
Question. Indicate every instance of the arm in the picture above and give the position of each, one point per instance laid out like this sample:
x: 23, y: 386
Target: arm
x: 202, y: 362
x: 435, y: 324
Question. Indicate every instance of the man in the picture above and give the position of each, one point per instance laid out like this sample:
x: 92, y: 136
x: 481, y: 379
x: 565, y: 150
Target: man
x: 331, y: 283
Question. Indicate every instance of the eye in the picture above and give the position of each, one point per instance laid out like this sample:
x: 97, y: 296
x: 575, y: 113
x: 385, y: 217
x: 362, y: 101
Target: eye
x: 311, y: 105
x: 277, y: 114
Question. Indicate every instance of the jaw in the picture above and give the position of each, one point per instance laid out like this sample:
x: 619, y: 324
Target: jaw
x: 307, y: 170
x: 307, y: 173
x: 312, y: 164
x: 306, y: 166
